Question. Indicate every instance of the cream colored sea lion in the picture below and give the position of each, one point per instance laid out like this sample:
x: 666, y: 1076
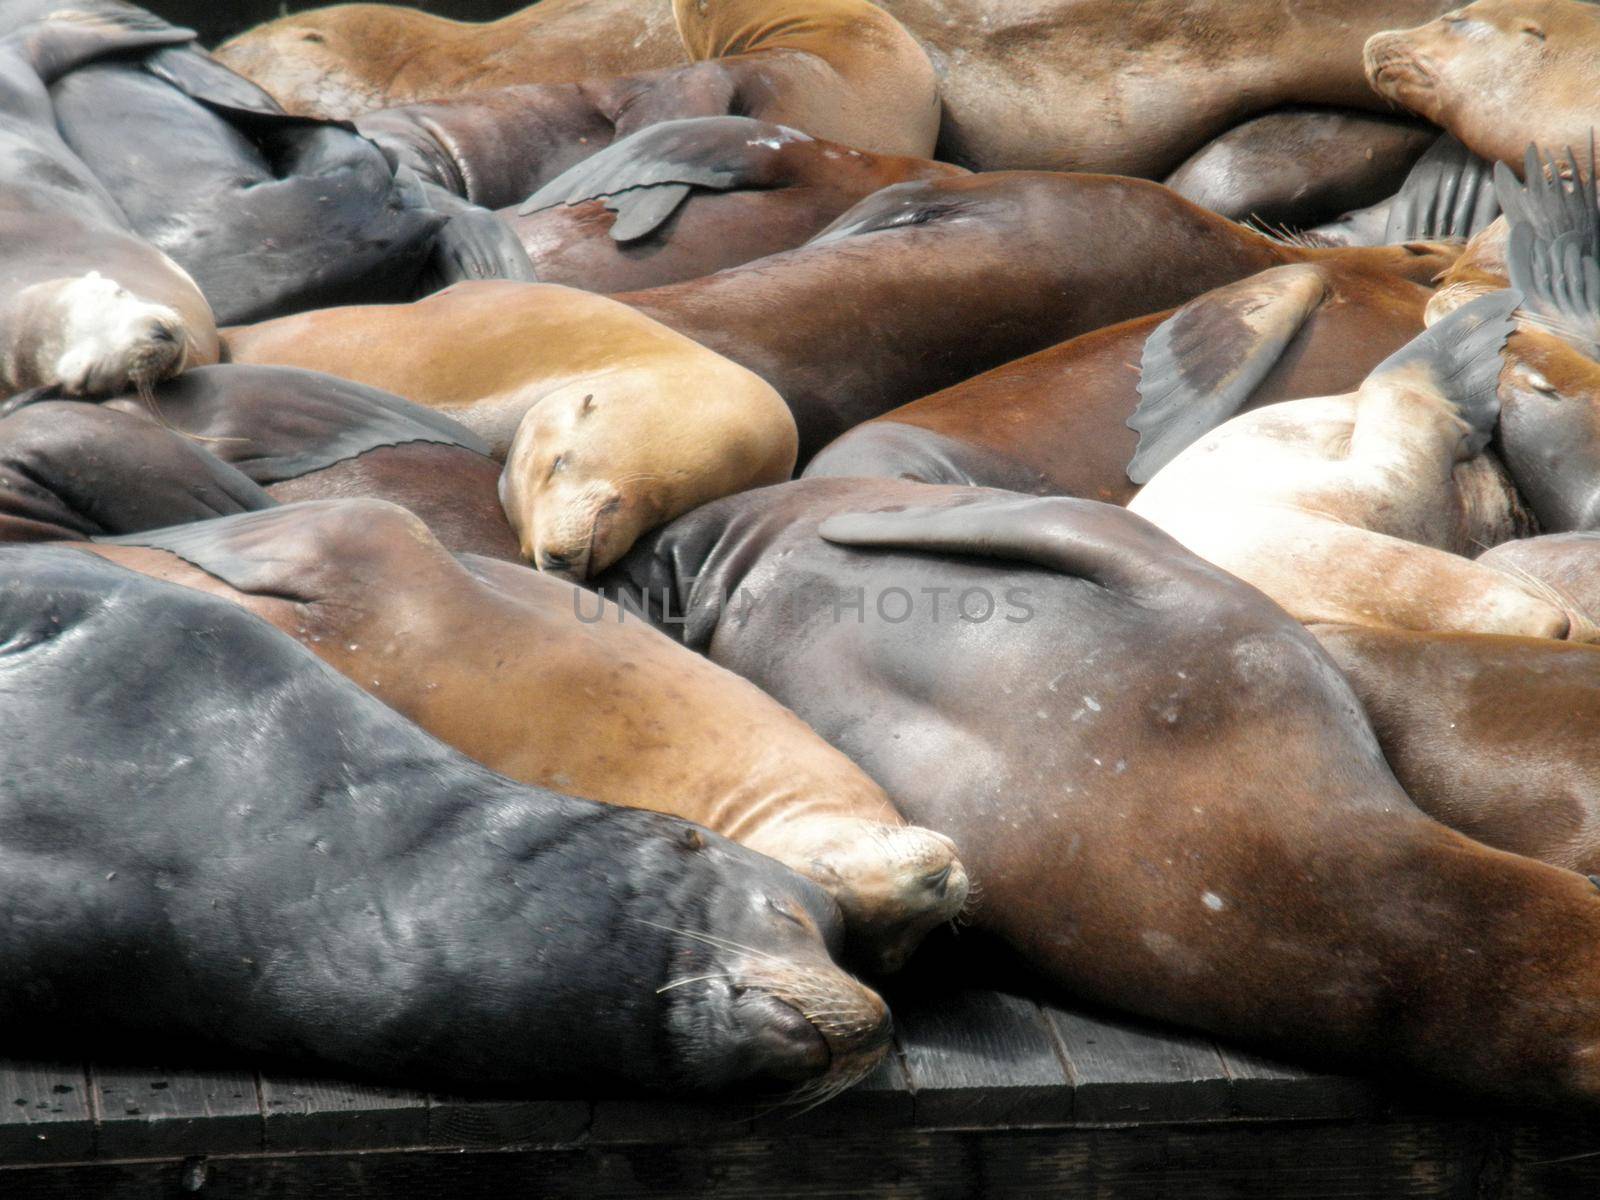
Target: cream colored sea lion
x: 610, y: 423
x: 551, y: 686
x: 1498, y: 74
x: 1356, y: 509
x: 86, y: 307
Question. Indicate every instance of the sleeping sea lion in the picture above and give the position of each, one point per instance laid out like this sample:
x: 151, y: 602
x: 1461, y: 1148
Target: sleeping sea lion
x: 281, y: 866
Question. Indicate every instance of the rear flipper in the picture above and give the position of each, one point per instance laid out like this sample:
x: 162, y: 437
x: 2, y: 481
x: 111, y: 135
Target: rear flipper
x: 1552, y: 252
x: 1202, y: 364
x: 645, y: 177
x: 1448, y: 194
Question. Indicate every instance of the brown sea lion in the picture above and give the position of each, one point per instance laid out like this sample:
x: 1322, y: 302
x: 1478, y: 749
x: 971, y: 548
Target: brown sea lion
x: 1498, y: 74
x: 86, y: 307
x: 1358, y: 509
x: 1567, y: 563
x: 841, y: 70
x: 474, y: 651
x: 609, y: 423
x: 1055, y: 422
x: 1026, y: 260
x: 682, y: 199
x: 1071, y: 85
x: 1490, y: 735
x: 1298, y: 166
x: 1171, y: 797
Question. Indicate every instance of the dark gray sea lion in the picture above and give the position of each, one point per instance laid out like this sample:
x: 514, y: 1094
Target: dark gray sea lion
x: 209, y: 837
x: 1172, y: 799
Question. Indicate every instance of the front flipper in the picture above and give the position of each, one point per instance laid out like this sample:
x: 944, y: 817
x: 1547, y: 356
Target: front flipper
x: 645, y: 177
x: 1552, y: 252
x: 1202, y: 364
x: 1099, y: 542
x: 200, y: 77
x: 68, y: 38
x: 1545, y: 200
x: 472, y: 243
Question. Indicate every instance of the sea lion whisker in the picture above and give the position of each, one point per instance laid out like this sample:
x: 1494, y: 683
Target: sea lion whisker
x: 710, y: 940
x: 677, y: 983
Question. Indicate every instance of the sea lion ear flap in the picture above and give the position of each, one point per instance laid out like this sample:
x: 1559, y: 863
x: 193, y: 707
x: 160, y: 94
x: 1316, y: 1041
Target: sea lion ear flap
x: 1449, y: 193
x: 1203, y: 363
x: 1462, y: 355
x: 646, y: 176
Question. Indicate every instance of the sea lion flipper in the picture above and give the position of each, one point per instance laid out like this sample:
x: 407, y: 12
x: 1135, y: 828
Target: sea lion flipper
x: 1543, y: 200
x: 645, y: 176
x: 1561, y: 280
x: 1095, y: 541
x: 473, y: 243
x: 200, y: 77
x: 69, y: 38
x: 1202, y: 364
x: 1448, y: 194
x: 1462, y: 355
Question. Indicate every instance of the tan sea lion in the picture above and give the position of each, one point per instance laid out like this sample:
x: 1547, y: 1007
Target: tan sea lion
x: 1069, y: 85
x: 608, y: 421
x: 541, y: 682
x: 1357, y: 509
x: 1498, y: 74
x: 86, y: 307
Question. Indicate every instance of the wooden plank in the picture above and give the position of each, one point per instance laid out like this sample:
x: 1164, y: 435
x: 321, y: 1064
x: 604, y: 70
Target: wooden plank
x: 488, y: 1124
x: 1206, y: 1160
x: 621, y: 1121
x: 316, y: 1114
x: 1126, y: 1070
x: 1264, y: 1087
x: 981, y: 1058
x: 162, y: 1112
x: 45, y: 1113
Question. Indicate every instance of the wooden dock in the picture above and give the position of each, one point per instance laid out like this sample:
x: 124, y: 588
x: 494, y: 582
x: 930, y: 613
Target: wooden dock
x: 986, y: 1095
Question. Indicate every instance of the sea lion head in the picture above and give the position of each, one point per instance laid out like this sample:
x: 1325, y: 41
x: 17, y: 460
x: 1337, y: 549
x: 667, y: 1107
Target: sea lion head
x: 894, y: 883
x: 595, y: 465
x: 753, y: 994
x: 1477, y: 69
x: 89, y: 336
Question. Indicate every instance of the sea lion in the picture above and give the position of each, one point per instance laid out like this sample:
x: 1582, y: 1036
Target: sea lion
x: 1356, y: 509
x: 841, y: 70
x: 279, y: 848
x: 302, y: 435
x: 267, y: 212
x: 348, y: 59
x: 1297, y: 167
x: 1498, y: 74
x: 1567, y: 563
x: 1067, y: 85
x: 474, y: 651
x: 88, y: 307
x: 609, y: 423
x: 682, y: 199
x: 1055, y: 422
x: 1489, y: 735
x: 1169, y: 793
x: 1029, y: 259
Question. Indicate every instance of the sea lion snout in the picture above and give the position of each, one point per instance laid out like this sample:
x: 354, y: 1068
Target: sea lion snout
x: 843, y: 1027
x: 1396, y: 66
x: 111, y: 340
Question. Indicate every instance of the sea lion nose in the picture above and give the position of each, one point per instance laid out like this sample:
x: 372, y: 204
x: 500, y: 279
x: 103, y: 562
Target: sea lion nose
x: 788, y: 1047
x: 163, y: 333
x: 549, y: 561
